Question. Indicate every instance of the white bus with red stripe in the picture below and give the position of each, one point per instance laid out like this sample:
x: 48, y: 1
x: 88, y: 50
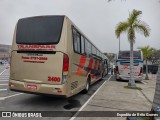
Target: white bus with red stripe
x: 50, y: 55
x: 123, y: 65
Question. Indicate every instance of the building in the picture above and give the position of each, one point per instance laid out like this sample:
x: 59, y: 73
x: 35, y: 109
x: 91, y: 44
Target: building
x: 5, y: 52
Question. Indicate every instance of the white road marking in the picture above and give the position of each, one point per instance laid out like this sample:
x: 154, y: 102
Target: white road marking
x: 72, y: 118
x: 3, y: 80
x: 3, y: 84
x: 143, y: 82
x: 3, y: 98
x: 3, y: 89
x: 2, y: 71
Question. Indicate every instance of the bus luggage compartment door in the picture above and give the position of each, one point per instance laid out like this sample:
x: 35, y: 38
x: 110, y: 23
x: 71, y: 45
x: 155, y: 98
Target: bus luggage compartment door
x: 37, y: 67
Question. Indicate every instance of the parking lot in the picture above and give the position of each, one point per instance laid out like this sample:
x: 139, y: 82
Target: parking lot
x: 27, y: 102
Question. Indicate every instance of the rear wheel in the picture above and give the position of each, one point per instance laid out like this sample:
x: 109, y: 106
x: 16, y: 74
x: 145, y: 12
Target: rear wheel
x: 87, y: 86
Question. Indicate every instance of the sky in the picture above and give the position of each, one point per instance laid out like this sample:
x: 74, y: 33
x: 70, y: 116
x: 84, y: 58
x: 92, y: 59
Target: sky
x: 97, y: 19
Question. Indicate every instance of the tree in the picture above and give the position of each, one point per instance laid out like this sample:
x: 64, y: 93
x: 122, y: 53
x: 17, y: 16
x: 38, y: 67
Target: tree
x: 110, y: 56
x: 147, y: 53
x: 155, y: 57
x: 130, y: 26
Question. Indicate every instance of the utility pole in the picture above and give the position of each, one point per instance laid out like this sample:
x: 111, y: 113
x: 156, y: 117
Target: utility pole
x: 119, y: 44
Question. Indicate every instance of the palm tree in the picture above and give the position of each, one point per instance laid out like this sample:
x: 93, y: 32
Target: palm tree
x: 110, y: 56
x: 147, y: 53
x: 130, y: 26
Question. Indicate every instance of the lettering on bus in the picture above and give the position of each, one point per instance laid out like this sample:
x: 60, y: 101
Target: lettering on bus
x: 128, y: 67
x: 136, y: 73
x: 53, y: 79
x: 36, y: 59
x: 36, y: 47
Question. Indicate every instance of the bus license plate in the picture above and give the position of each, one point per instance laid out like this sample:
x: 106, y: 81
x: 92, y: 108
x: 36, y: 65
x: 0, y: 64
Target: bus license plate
x: 32, y: 86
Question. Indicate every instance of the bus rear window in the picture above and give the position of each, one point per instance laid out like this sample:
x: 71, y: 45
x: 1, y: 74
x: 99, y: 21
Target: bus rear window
x: 39, y: 30
x: 126, y: 55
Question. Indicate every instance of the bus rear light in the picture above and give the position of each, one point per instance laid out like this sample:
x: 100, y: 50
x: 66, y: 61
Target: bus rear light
x: 141, y: 71
x: 117, y: 71
x: 65, y: 63
x: 64, y: 79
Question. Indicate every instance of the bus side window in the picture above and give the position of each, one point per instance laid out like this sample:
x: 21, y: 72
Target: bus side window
x: 87, y: 47
x: 82, y: 45
x: 94, y: 50
x: 76, y: 41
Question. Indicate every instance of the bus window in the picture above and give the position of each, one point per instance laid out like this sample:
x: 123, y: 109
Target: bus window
x: 39, y: 30
x: 76, y: 39
x: 94, y: 51
x: 87, y: 47
x: 98, y: 53
x: 82, y: 45
x: 126, y: 55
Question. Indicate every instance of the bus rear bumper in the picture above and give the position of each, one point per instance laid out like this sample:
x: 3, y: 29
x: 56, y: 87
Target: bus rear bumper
x: 121, y: 77
x: 33, y: 88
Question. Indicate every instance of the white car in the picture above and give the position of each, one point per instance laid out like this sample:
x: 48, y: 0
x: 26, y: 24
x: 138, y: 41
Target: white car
x: 4, y: 62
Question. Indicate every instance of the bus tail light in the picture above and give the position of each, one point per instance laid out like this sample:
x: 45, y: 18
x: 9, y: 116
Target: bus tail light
x: 141, y: 71
x: 64, y: 79
x: 65, y: 68
x: 65, y: 63
x: 117, y: 71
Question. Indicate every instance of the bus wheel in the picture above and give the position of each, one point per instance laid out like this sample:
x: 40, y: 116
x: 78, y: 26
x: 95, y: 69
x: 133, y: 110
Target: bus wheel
x: 86, y: 89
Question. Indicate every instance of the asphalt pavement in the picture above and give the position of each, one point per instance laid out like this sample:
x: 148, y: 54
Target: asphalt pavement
x: 105, y: 95
x: 15, y: 101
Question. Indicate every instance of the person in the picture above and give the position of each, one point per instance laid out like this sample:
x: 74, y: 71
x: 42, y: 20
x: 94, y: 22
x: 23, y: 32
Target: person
x: 112, y: 69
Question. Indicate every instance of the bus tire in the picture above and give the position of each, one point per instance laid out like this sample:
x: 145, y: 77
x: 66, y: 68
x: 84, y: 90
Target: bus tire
x: 86, y: 89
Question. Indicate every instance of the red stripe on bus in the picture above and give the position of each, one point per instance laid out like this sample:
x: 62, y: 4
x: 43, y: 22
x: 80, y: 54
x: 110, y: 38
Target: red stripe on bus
x: 98, y: 63
x: 89, y: 65
x: 95, y: 66
x: 81, y: 63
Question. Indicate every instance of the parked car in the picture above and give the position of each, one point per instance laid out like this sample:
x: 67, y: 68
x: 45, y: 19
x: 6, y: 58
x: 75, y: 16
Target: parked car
x: 4, y: 62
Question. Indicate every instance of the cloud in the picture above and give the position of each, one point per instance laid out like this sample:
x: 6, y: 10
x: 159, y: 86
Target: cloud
x: 97, y: 19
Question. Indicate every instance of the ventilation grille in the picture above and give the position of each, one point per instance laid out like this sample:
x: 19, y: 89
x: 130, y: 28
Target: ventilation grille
x: 74, y: 85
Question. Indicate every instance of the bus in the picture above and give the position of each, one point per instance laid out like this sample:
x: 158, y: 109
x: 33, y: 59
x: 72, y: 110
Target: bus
x: 123, y: 65
x: 50, y: 55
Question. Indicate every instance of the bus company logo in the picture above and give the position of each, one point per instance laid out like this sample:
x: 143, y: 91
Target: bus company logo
x: 125, y: 67
x: 36, y: 47
x: 128, y: 67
